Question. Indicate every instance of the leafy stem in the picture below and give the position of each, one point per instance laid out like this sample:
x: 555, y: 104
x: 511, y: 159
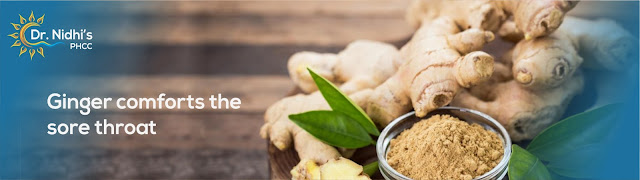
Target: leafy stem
x: 346, y: 125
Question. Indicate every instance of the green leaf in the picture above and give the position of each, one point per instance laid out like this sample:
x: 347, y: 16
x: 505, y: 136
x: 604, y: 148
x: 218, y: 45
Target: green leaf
x: 333, y: 128
x: 584, y: 128
x: 370, y: 168
x: 571, y: 145
x: 524, y: 165
x: 341, y: 103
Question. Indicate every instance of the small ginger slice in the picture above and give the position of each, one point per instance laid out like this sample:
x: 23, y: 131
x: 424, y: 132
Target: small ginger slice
x: 340, y: 168
x: 306, y: 169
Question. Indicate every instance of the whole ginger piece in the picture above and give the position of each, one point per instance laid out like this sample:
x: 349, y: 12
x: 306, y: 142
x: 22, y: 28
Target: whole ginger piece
x: 362, y: 64
x: 547, y: 62
x: 439, y: 61
x: 534, y: 18
x: 523, y: 111
x: 541, y: 76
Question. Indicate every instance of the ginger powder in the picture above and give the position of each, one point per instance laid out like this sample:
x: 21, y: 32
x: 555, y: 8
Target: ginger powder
x: 444, y: 147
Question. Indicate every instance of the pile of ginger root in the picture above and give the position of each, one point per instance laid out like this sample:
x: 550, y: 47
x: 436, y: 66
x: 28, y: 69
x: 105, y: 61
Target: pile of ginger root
x: 526, y: 88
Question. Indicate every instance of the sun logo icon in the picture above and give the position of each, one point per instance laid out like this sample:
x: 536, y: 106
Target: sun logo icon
x: 21, y: 40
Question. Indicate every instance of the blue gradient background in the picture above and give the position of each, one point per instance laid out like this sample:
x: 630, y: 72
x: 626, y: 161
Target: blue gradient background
x: 23, y: 80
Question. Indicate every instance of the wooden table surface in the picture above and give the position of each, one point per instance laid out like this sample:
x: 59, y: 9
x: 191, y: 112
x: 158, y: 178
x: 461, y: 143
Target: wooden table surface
x: 238, y: 49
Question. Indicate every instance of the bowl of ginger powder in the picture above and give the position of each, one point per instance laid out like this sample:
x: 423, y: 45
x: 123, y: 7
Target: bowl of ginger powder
x: 448, y: 143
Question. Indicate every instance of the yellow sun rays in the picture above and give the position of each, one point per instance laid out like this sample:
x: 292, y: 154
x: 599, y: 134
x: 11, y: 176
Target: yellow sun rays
x: 21, y: 41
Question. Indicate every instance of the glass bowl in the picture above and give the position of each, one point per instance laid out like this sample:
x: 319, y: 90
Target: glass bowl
x: 472, y: 116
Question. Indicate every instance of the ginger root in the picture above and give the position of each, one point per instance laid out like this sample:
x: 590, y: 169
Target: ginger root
x: 433, y: 73
x: 534, y: 18
x: 523, y: 111
x: 434, y: 70
x: 438, y: 62
x: 541, y: 76
x: 283, y: 132
x: 362, y: 64
x: 442, y: 65
x: 340, y: 168
x: 370, y: 64
x: 546, y: 62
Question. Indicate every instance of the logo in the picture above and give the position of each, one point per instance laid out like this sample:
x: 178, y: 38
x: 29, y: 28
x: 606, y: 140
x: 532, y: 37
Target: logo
x: 31, y: 39
x: 22, y: 41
